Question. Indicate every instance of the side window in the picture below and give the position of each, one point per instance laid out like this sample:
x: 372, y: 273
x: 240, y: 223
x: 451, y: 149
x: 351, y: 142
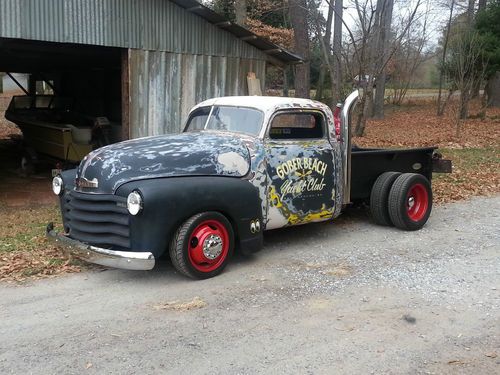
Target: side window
x: 297, y: 125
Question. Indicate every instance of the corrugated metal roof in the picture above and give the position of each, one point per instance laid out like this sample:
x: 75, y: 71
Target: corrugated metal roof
x: 260, y: 43
x: 162, y: 25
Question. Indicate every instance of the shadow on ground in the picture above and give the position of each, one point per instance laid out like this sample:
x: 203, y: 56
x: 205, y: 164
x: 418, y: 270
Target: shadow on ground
x: 18, y: 188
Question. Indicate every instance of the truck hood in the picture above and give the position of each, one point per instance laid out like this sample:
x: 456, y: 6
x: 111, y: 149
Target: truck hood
x: 186, y: 154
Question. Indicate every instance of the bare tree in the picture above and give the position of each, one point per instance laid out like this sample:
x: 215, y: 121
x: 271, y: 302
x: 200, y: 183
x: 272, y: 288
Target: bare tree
x: 440, y: 105
x: 298, y: 18
x: 326, y: 43
x: 470, y: 11
x: 382, y: 46
x: 331, y: 56
x: 408, y: 58
x: 337, y: 48
x: 372, y: 64
x: 463, y: 66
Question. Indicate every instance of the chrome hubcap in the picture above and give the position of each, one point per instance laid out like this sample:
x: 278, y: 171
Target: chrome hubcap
x: 411, y: 201
x: 212, y: 247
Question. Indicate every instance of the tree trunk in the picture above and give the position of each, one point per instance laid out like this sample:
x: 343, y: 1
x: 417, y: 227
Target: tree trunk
x: 365, y: 109
x: 321, y: 82
x: 385, y: 29
x: 470, y: 12
x: 324, y: 67
x: 298, y: 18
x: 337, y: 49
x: 481, y: 5
x: 464, y: 105
x: 440, y: 108
x: 493, y: 90
x: 240, y: 11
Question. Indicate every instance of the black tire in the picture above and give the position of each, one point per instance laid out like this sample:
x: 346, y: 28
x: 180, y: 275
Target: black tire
x: 410, y: 201
x: 186, y: 248
x: 379, y: 198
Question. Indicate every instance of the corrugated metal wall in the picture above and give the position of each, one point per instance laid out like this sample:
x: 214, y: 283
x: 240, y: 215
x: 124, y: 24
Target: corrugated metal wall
x: 164, y: 86
x: 139, y: 24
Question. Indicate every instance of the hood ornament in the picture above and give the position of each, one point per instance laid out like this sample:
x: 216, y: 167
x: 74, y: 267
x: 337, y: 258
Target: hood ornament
x: 82, y: 182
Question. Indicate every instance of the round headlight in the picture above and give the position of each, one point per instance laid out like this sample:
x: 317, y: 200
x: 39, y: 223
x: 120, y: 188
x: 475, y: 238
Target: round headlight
x: 57, y: 185
x: 134, y: 203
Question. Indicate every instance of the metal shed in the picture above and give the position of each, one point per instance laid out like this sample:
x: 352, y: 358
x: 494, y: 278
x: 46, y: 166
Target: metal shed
x: 158, y: 57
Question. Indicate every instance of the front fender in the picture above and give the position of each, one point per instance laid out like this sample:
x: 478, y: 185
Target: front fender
x: 168, y: 202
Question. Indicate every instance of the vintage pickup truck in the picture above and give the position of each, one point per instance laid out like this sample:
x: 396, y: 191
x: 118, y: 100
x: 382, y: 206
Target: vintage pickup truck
x: 241, y: 166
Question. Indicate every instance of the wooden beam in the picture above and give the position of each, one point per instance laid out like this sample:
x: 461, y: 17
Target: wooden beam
x: 125, y: 87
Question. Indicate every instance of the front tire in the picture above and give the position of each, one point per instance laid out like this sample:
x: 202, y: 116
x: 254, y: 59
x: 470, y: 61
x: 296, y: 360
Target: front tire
x: 203, y: 245
x: 410, y: 201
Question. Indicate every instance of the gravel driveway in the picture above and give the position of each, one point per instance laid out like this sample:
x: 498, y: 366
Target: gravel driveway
x: 345, y: 298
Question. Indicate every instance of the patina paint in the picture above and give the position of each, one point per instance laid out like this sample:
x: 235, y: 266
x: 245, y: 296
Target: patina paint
x: 300, y: 198
x: 187, y: 154
x: 297, y: 181
x: 302, y: 182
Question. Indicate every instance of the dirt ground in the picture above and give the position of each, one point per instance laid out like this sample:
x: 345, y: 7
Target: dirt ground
x: 334, y: 298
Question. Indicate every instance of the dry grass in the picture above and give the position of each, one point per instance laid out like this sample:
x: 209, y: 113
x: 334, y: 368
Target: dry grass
x: 24, y: 250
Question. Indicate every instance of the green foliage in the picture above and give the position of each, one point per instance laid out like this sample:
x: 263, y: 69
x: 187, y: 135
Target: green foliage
x: 488, y: 27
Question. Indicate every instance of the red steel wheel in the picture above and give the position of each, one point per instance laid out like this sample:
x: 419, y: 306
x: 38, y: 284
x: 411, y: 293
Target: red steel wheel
x: 208, y: 246
x: 417, y: 202
x: 410, y: 201
x: 202, y: 245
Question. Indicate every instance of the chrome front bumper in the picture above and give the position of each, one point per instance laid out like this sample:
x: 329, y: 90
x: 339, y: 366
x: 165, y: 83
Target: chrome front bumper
x: 129, y: 260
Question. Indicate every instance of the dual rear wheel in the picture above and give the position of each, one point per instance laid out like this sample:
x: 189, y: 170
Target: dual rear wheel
x: 401, y: 199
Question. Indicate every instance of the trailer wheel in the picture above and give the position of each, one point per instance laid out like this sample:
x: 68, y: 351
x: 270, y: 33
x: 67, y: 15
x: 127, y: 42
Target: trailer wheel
x: 202, y: 245
x: 379, y: 198
x: 410, y: 201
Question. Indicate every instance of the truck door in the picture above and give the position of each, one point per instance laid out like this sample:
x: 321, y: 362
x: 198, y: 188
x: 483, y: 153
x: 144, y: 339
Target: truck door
x: 300, y: 168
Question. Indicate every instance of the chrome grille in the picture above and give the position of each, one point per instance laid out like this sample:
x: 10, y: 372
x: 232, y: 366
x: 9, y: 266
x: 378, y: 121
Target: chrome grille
x: 97, y: 219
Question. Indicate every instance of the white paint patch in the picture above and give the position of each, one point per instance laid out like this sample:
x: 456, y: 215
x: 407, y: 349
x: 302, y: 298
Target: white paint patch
x: 233, y: 162
x: 275, y: 219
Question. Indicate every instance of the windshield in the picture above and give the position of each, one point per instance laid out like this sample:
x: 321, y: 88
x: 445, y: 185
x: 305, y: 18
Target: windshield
x: 233, y: 119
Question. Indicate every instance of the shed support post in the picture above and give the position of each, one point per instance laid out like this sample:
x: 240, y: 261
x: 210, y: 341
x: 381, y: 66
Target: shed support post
x: 125, y: 77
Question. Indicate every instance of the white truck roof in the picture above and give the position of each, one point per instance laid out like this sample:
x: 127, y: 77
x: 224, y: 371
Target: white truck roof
x: 264, y: 103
